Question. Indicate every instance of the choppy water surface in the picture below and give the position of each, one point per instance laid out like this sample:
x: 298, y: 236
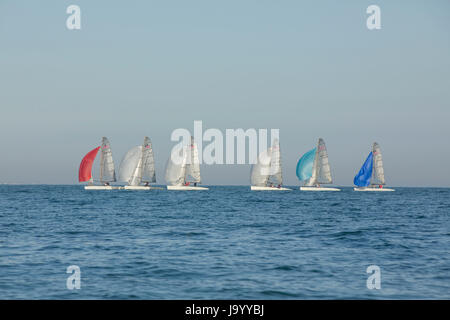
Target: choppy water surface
x: 226, y: 243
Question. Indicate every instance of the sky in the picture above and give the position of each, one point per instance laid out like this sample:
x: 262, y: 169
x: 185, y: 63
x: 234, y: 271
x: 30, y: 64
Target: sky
x: 145, y: 68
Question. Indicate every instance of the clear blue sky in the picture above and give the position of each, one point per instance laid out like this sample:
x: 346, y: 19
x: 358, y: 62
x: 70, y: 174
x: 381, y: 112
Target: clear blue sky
x: 310, y: 68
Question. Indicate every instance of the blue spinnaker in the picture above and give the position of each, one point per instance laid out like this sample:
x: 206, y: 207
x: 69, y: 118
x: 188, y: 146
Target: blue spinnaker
x: 305, y: 165
x: 362, y: 179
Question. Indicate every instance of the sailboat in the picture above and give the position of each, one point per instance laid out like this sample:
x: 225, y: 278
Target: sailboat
x: 138, y: 167
x: 183, y: 168
x: 266, y: 174
x: 313, y: 168
x: 371, y: 175
x: 107, y: 172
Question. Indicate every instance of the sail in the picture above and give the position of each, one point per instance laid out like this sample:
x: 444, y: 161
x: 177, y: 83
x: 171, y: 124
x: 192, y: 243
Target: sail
x: 323, y: 167
x: 267, y: 167
x: 275, y: 164
x: 136, y: 178
x: 193, y: 166
x: 107, y: 173
x: 261, y: 169
x: 305, y: 165
x: 148, y: 162
x: 315, y: 170
x: 362, y: 179
x: 378, y: 171
x: 85, y: 171
x: 175, y: 169
x: 130, y: 169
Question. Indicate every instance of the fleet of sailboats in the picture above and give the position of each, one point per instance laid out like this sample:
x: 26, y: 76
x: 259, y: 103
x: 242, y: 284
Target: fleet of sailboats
x: 137, y: 169
x: 371, y: 175
x: 266, y: 174
x: 314, y: 169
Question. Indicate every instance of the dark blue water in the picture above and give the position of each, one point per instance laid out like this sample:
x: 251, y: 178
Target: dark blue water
x: 226, y: 243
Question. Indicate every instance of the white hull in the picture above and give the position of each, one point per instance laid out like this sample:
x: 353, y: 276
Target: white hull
x: 186, y: 188
x: 136, y: 187
x: 141, y: 188
x: 256, y: 188
x: 319, y: 189
x: 101, y: 188
x: 373, y: 189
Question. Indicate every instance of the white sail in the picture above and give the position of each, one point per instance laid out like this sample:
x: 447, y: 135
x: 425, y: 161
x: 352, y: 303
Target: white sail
x: 193, y: 165
x: 323, y: 167
x: 183, y: 165
x: 268, y: 167
x: 378, y: 171
x: 176, y: 167
x: 107, y: 172
x: 313, y: 180
x: 275, y: 164
x: 261, y: 169
x: 148, y: 162
x: 321, y: 172
x: 136, y: 177
x: 130, y: 169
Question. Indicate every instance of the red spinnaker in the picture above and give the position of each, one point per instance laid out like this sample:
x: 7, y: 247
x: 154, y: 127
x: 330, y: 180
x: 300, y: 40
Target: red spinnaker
x: 85, y: 172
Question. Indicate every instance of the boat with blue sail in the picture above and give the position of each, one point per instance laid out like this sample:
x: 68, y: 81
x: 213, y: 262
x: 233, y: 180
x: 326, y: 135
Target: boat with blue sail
x: 371, y: 175
x: 314, y: 169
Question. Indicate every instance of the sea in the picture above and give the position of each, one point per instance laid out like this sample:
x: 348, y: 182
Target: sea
x: 62, y: 242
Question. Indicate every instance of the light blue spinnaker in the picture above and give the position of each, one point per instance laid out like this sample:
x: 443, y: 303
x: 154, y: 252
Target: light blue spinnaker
x: 362, y: 179
x: 305, y: 165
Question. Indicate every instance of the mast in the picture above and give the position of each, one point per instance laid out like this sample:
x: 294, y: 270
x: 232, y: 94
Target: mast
x: 102, y: 160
